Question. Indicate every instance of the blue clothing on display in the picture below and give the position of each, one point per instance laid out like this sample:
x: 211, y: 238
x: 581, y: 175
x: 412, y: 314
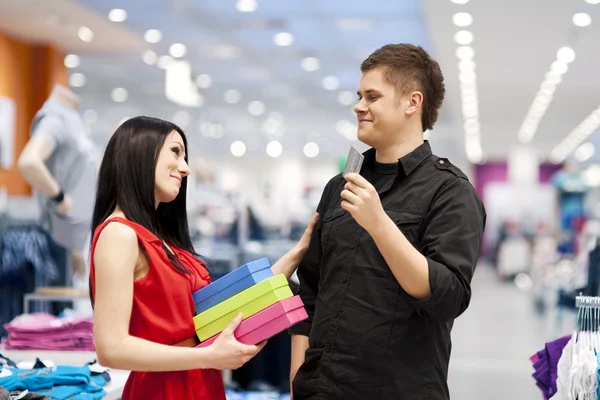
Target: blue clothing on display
x: 60, y: 383
x: 572, y: 190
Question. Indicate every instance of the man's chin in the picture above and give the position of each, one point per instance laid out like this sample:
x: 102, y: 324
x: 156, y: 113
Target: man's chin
x: 366, y: 138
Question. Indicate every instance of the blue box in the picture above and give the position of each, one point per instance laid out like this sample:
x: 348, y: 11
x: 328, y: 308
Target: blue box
x: 231, y: 284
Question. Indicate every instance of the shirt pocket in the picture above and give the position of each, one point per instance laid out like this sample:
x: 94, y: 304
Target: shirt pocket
x: 330, y: 221
x: 408, y: 222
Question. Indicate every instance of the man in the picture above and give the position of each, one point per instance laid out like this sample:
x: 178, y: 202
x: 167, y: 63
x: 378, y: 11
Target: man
x: 391, y: 260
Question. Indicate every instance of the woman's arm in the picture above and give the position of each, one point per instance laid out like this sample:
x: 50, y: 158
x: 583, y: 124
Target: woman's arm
x: 288, y: 264
x: 115, y: 258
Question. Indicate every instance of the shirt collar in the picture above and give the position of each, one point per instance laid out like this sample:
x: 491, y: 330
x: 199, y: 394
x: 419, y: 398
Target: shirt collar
x: 409, y: 162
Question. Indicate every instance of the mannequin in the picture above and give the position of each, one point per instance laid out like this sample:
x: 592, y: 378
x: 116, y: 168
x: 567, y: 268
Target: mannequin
x: 60, y: 163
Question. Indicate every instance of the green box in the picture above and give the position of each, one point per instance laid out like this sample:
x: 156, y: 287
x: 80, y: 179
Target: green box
x: 249, y: 302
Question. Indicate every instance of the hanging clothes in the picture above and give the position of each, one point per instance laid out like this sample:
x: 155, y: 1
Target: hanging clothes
x: 577, y: 370
x: 26, y: 262
x: 545, y: 363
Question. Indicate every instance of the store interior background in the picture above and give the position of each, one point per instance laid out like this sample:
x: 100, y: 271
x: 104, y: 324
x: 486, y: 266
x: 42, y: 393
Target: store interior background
x: 264, y: 90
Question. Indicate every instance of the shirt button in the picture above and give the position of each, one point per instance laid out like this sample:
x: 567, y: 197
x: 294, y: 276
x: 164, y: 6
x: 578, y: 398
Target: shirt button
x: 335, y: 314
x: 442, y: 162
x: 345, y: 279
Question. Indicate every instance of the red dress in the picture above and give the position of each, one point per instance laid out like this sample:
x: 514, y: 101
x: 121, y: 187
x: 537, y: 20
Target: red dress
x: 163, y: 308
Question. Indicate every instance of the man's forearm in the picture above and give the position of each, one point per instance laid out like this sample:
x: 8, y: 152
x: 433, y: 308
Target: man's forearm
x: 406, y: 263
x: 38, y: 176
x: 299, y: 347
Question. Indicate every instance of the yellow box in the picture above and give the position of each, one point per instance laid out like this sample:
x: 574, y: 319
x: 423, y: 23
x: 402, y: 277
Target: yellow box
x: 249, y: 302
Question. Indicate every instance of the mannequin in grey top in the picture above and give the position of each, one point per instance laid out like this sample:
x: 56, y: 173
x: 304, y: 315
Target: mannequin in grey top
x: 60, y: 163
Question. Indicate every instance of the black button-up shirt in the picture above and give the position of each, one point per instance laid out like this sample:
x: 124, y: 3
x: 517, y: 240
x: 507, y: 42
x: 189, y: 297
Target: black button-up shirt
x: 368, y: 338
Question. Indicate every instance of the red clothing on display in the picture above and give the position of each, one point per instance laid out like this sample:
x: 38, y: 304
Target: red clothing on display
x: 163, y: 308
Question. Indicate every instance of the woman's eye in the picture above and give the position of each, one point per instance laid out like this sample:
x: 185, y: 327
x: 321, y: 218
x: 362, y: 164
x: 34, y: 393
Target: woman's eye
x: 176, y: 150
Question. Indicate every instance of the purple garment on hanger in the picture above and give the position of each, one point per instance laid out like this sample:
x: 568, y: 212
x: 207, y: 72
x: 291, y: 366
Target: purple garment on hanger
x: 545, y: 363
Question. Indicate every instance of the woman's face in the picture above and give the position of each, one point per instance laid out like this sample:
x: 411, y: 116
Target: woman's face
x: 171, y: 168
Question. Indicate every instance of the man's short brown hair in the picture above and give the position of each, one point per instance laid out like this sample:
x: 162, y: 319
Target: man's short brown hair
x: 409, y: 67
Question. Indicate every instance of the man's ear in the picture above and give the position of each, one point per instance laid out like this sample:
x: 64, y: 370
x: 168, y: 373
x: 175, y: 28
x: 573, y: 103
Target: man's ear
x: 415, y: 101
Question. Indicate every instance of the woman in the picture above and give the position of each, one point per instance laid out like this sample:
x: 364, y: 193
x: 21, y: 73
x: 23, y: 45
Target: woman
x: 144, y: 270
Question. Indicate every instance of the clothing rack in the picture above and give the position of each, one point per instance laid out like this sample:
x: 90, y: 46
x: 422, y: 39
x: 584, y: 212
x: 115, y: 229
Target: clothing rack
x: 582, y: 302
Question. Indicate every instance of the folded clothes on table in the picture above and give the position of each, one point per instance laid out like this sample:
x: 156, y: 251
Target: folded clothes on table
x: 41, y: 331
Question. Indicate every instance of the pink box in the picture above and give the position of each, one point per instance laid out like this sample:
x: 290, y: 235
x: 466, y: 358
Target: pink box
x: 268, y: 322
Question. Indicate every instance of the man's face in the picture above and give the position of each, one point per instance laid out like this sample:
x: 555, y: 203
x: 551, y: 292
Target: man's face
x: 380, y: 110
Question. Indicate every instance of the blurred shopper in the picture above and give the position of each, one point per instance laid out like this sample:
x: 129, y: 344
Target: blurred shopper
x: 390, y: 262
x: 144, y: 270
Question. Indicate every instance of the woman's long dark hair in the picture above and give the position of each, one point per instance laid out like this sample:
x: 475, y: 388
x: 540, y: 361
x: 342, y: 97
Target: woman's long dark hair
x: 127, y: 179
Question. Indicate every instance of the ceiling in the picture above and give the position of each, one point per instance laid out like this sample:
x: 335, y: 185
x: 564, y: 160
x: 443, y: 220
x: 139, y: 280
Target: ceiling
x: 515, y: 43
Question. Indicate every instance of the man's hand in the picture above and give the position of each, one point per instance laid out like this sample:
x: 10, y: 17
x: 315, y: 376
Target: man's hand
x: 362, y: 201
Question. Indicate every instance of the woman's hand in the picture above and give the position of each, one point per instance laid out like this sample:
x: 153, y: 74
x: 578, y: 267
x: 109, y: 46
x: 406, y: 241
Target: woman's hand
x: 288, y: 264
x: 227, y: 353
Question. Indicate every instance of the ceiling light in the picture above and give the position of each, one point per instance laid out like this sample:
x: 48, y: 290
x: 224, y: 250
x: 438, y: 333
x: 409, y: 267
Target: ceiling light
x: 77, y: 79
x: 346, y: 98
x: 585, y: 152
x: 310, y: 64
x: 274, y: 149
x: 592, y: 1
x: 467, y: 65
x: 238, y: 148
x: 591, y: 176
x: 256, y: 108
x: 559, y: 67
x: 460, y: 1
x: 85, y: 34
x: 330, y: 82
x: 311, y: 149
x: 72, y: 61
x: 474, y: 152
x: 232, y: 96
x: 577, y: 136
x: 117, y: 15
x: 548, y: 87
x: 165, y: 61
x: 283, y: 39
x: 467, y: 77
x: 153, y: 36
x: 150, y: 57
x: 246, y: 5
x: 463, y: 37
x: 582, y: 19
x: 177, y: 50
x: 465, y: 53
x: 203, y: 81
x: 462, y: 19
x: 565, y: 55
x: 472, y: 126
x: 119, y: 95
x: 553, y: 77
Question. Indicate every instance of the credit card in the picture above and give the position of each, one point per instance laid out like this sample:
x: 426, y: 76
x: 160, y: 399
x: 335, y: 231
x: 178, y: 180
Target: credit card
x: 354, y: 162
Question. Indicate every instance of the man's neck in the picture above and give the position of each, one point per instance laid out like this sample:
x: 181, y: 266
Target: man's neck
x: 393, y: 153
